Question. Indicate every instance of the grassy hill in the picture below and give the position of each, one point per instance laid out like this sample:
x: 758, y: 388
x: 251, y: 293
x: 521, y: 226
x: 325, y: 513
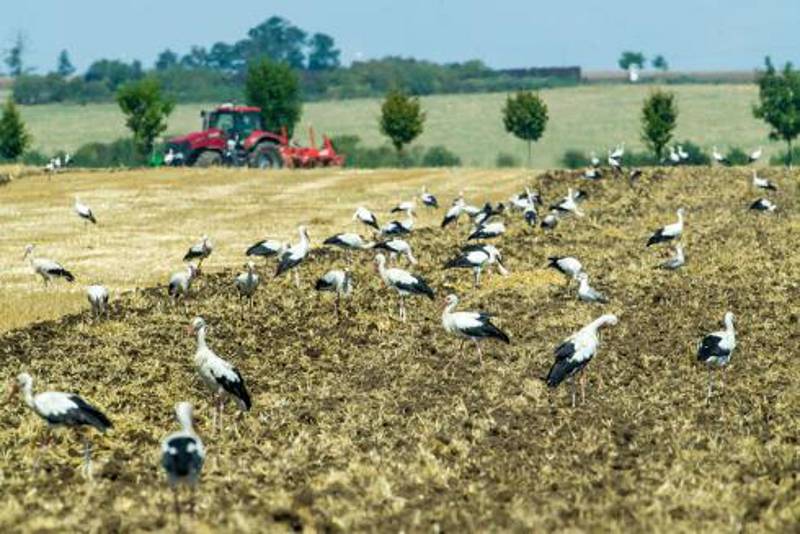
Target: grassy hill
x: 372, y: 424
x: 586, y: 117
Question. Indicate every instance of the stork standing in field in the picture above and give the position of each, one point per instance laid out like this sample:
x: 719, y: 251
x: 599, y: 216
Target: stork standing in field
x: 222, y: 378
x: 755, y: 155
x: 348, y: 242
x: 453, y: 213
x: 718, y: 156
x: 762, y: 183
x: 682, y: 154
x: 675, y: 262
x: 428, y: 199
x: 200, y: 250
x: 478, y: 257
x: 399, y: 227
x: 550, y: 221
x: 566, y: 265
x: 182, y: 456
x: 63, y: 410
x: 674, y: 158
x: 593, y: 159
x: 587, y: 293
x: 574, y: 354
x: 364, y: 216
x: 668, y: 232
x: 293, y: 256
x: 569, y: 204
x: 404, y: 206
x: 763, y: 204
x: 247, y: 282
x: 487, y: 231
x: 98, y: 299
x: 397, y: 247
x: 403, y: 282
x: 47, y: 269
x: 715, y: 351
x: 266, y: 249
x: 84, y: 212
x: 336, y: 281
x: 474, y: 326
x: 181, y: 282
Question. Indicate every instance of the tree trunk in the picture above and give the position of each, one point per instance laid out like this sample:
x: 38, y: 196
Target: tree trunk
x: 789, y: 155
x: 530, y: 156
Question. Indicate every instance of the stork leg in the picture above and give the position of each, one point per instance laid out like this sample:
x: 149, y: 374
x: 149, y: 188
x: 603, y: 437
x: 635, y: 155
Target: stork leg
x: 402, y: 309
x: 296, y: 278
x: 338, y: 302
x: 477, y: 278
x: 572, y: 387
x: 710, y: 385
x: 722, y: 378
x: 87, y: 458
x: 176, y: 506
x: 480, y: 352
x: 583, y: 387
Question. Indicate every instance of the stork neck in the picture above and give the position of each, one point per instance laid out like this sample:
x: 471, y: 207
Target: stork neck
x: 185, y: 420
x: 201, y: 338
x: 449, y: 308
x: 27, y: 394
x: 729, y: 325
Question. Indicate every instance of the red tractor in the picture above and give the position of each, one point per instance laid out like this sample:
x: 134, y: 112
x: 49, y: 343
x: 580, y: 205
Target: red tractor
x: 236, y: 136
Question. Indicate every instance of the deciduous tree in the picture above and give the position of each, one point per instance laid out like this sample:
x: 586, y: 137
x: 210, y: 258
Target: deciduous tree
x: 659, y: 118
x: 402, y: 118
x: 779, y: 104
x: 14, y: 137
x: 146, y: 111
x: 275, y: 88
x: 525, y: 116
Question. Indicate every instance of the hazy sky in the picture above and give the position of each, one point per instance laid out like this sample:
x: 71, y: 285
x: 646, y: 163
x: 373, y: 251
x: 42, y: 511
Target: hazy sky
x: 692, y: 34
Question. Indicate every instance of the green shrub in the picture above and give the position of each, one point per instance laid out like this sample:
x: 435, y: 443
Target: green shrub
x: 575, y: 159
x: 639, y: 159
x: 781, y: 158
x: 34, y: 158
x: 505, y: 160
x: 120, y: 153
x: 737, y: 156
x: 440, y: 156
x: 696, y: 154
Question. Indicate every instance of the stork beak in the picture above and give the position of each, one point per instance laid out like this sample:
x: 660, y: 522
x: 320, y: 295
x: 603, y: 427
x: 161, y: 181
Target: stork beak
x: 189, y: 330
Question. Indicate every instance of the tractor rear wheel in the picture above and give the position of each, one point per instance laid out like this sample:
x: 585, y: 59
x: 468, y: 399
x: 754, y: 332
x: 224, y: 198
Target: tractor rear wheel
x: 208, y: 158
x: 266, y: 156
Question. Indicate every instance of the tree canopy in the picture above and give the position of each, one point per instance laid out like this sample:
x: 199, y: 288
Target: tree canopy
x: 659, y: 118
x: 402, y: 118
x: 779, y: 103
x: 146, y: 112
x: 275, y: 88
x: 525, y: 116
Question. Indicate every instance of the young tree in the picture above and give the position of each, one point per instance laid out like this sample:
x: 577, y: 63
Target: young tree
x: 323, y: 54
x: 779, y: 104
x: 64, y: 68
x: 659, y: 117
x: 15, y: 54
x: 275, y: 88
x: 525, y: 116
x: 146, y: 112
x: 629, y: 58
x: 166, y: 60
x: 14, y: 138
x: 402, y: 118
x: 660, y: 63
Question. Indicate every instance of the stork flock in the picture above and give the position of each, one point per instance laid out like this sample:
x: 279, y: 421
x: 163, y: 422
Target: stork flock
x: 183, y: 452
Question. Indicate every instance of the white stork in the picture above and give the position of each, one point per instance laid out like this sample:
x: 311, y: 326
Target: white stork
x: 399, y: 227
x: 682, y: 154
x: 247, y: 282
x: 593, y: 159
x: 428, y: 199
x: 478, y: 257
x: 763, y: 204
x: 475, y: 326
x: 755, y: 155
x: 586, y: 292
x: 718, y: 156
x: 397, y: 247
x: 336, y: 281
x: 619, y: 151
x: 575, y: 353
x: 566, y: 265
x: 294, y: 256
x: 674, y: 157
x: 404, y: 206
x: 182, y: 455
x: 762, y: 183
x: 403, y: 282
x: 181, y: 282
x: 84, y: 212
x: 222, y: 378
x: 200, y: 250
x: 363, y: 215
x: 452, y: 214
x: 592, y: 173
x: 668, y: 232
x: 550, y: 221
x: 47, y: 269
x: 348, y: 241
x: 675, y: 262
x: 487, y: 231
x: 569, y: 204
x: 266, y: 249
x: 98, y: 299
x: 63, y: 410
x: 715, y: 350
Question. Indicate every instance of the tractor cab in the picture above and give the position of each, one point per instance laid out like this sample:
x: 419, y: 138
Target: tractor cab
x: 234, y: 122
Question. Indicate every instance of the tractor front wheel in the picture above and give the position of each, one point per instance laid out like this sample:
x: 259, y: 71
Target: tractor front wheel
x: 208, y: 158
x: 266, y: 156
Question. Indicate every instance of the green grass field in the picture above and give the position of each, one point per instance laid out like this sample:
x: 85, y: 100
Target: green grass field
x: 586, y: 117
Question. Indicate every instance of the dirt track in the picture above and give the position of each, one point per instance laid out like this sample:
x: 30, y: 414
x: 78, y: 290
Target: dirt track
x: 363, y: 425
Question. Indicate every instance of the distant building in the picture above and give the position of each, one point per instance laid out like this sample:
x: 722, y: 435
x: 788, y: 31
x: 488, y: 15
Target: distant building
x: 633, y: 74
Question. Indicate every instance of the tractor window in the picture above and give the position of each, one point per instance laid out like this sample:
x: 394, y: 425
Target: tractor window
x: 249, y: 122
x: 222, y: 121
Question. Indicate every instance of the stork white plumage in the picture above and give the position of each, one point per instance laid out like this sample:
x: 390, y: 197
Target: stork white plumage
x: 475, y: 326
x: 718, y: 156
x: 755, y: 155
x: 63, y: 410
x: 715, y: 351
x: 181, y: 282
x: 336, y: 281
x: 397, y: 247
x: 592, y: 173
x: 200, y: 250
x: 98, y: 300
x: 404, y: 206
x: 403, y: 282
x: 220, y: 377
x: 530, y: 215
x: 682, y: 154
x: 763, y: 204
x: 674, y: 158
x: 182, y: 456
x: 84, y: 212
x: 348, y: 241
x: 586, y: 292
x: 47, y: 269
x: 593, y: 159
x: 268, y: 248
x: 569, y: 204
x: 566, y: 265
x: 428, y: 199
x: 668, y: 232
x: 453, y: 213
x: 574, y: 353
x: 247, y: 283
x: 550, y: 221
x: 762, y: 183
x: 675, y: 262
x: 293, y: 256
x: 478, y: 257
x: 487, y: 231
x: 399, y: 227
x: 619, y: 151
x: 364, y: 216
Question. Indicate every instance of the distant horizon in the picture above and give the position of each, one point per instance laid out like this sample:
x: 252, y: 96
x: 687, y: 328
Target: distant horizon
x: 702, y: 35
